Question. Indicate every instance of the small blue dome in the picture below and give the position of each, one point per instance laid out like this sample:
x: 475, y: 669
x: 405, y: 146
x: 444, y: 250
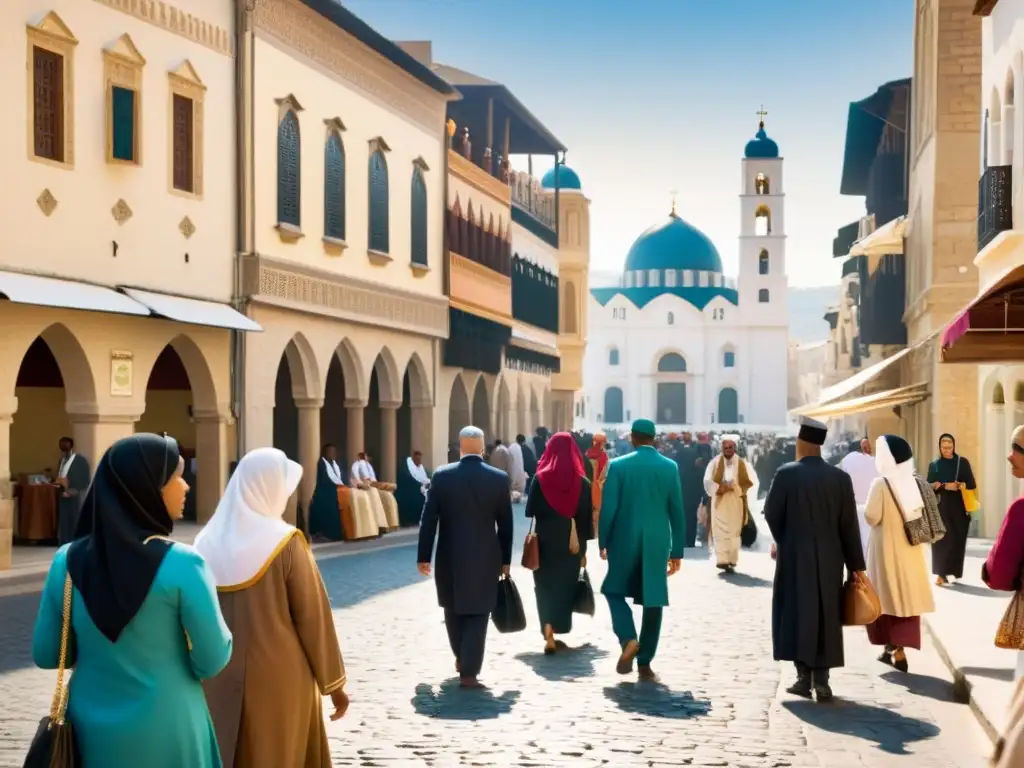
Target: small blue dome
x: 673, y: 244
x: 567, y: 179
x: 761, y: 147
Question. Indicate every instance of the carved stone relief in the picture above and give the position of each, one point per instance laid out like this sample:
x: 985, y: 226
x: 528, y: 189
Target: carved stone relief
x: 121, y: 212
x: 47, y: 202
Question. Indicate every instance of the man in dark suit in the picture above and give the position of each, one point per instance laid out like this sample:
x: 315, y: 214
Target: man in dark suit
x: 470, y: 502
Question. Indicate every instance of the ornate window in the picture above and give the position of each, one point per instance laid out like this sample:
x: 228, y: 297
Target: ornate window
x: 186, y: 130
x: 122, y: 67
x: 289, y: 171
x: 379, y: 208
x: 418, y: 216
x: 334, y: 186
x: 763, y: 262
x: 51, y: 97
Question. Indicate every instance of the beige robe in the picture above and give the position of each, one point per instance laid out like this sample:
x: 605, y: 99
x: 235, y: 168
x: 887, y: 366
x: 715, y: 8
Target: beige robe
x: 266, y: 704
x: 728, y: 512
x: 363, y: 519
x: 390, y: 505
x: 897, y: 570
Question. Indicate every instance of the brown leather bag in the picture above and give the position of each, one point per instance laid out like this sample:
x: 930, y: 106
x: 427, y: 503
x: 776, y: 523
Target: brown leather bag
x: 531, y: 550
x: 861, y: 605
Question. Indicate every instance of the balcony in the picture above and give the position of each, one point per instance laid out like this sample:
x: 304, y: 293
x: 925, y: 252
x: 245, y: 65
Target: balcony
x: 472, y: 241
x: 995, y: 203
x: 475, y: 343
x: 534, y: 295
x: 535, y: 207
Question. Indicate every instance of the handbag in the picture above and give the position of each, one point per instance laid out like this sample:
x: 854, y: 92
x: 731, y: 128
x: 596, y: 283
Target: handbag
x: 583, y: 601
x: 934, y: 526
x: 531, y: 549
x: 913, y: 529
x: 861, y: 605
x: 969, y: 495
x: 748, y: 534
x: 1010, y: 632
x: 508, y: 614
x: 54, y: 745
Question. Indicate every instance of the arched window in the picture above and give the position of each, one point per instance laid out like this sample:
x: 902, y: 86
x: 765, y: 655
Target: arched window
x: 334, y: 188
x: 672, y: 363
x: 671, y: 318
x: 379, y: 235
x: 418, y: 219
x: 761, y: 184
x: 762, y: 221
x: 613, y: 405
x: 728, y: 359
x: 763, y: 262
x: 613, y: 356
x: 289, y: 181
x: 763, y: 296
x: 728, y: 406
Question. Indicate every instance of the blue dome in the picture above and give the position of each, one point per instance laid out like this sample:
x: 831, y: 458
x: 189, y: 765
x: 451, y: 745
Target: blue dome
x: 761, y: 146
x: 567, y: 179
x: 673, y: 244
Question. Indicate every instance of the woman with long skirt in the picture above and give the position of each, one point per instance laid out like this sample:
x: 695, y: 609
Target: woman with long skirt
x: 949, y: 475
x: 559, y: 501
x: 896, y: 568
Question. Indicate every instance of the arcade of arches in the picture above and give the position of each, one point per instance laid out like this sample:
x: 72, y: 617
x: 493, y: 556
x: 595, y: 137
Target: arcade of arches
x: 503, y: 406
x: 112, y: 376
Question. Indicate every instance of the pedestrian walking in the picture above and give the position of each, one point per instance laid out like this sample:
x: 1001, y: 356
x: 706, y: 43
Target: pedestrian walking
x: 730, y: 482
x: 266, y: 704
x: 597, y: 458
x: 897, y: 567
x: 561, y: 506
x: 144, y: 616
x: 642, y: 533
x: 812, y: 513
x: 469, y: 511
x: 950, y: 475
x: 1005, y: 562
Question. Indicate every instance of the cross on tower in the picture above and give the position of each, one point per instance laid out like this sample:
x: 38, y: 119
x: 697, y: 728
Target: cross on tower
x: 762, y: 114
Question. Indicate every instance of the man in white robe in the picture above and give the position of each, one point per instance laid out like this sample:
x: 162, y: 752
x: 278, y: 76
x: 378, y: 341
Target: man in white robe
x: 731, y: 483
x: 362, y: 510
x: 516, y: 469
x: 385, y: 508
x: 859, y: 464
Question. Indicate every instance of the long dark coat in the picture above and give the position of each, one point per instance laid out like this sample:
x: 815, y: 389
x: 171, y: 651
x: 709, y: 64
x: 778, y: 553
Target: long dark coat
x: 812, y: 513
x: 469, y: 509
x: 69, y: 508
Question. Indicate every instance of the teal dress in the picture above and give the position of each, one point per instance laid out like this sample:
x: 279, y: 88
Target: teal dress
x: 641, y: 525
x: 139, y: 701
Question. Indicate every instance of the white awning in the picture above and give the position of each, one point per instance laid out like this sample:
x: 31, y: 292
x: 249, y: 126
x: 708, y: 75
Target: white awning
x: 887, y: 239
x: 193, y: 311
x: 66, y: 294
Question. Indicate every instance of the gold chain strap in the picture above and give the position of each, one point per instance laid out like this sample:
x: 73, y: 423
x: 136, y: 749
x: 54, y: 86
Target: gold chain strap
x: 60, y: 696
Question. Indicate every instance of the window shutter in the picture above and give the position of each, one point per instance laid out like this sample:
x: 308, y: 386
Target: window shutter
x: 184, y: 149
x: 334, y: 188
x: 288, y: 172
x: 48, y: 104
x: 379, y: 213
x: 122, y: 123
x: 419, y: 219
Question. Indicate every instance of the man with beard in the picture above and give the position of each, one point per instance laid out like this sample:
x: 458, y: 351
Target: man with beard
x: 812, y: 513
x: 731, y: 483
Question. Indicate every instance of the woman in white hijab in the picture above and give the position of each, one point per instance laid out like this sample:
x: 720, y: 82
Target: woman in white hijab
x: 265, y: 704
x: 896, y: 568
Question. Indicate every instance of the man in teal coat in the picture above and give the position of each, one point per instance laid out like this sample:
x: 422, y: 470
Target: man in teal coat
x: 642, y: 530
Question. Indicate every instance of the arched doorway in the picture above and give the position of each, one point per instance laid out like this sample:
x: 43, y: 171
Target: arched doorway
x: 482, y: 409
x: 728, y: 406
x: 41, y: 419
x: 334, y: 414
x: 286, y: 415
x: 381, y: 417
x: 169, y: 408
x: 613, y: 405
x: 671, y: 395
x: 415, y: 424
x: 458, y: 411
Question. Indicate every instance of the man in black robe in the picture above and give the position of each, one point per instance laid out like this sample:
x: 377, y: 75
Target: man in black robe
x: 691, y: 476
x: 812, y: 514
x: 469, y: 510
x: 72, y: 481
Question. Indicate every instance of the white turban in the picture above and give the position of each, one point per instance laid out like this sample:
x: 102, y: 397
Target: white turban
x: 734, y: 439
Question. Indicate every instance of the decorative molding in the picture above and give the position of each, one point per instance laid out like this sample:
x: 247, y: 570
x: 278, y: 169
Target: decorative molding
x: 121, y: 212
x: 334, y: 246
x: 47, y: 202
x: 170, y: 19
x: 378, y: 143
x: 479, y: 179
x: 289, y: 103
x: 184, y: 81
x: 420, y: 163
x: 124, y: 48
x: 302, y: 289
x: 187, y: 228
x: 50, y: 33
x: 334, y: 124
x: 307, y: 33
x: 122, y: 68
x: 378, y: 258
x: 185, y: 73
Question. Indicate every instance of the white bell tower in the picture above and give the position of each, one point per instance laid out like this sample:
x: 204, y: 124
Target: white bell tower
x: 762, y: 283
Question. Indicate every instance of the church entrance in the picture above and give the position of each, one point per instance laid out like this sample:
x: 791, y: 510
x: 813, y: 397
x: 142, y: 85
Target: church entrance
x: 728, y: 406
x: 672, y: 402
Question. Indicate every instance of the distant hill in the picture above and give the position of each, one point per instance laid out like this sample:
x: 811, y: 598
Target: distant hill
x: 806, y: 312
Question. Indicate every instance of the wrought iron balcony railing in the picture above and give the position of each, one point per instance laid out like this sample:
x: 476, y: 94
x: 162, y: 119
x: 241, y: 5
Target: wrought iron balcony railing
x: 995, y: 203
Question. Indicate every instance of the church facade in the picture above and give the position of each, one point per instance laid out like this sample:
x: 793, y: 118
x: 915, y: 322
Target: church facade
x: 677, y: 341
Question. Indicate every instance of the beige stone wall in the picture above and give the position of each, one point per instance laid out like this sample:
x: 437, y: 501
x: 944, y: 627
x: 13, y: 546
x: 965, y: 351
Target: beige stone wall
x: 515, y: 402
x: 574, y: 284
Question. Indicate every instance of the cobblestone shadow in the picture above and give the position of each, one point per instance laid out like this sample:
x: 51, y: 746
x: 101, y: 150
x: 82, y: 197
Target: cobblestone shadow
x: 448, y: 701
x: 567, y: 665
x: 889, y: 730
x: 656, y: 700
x: 745, y: 580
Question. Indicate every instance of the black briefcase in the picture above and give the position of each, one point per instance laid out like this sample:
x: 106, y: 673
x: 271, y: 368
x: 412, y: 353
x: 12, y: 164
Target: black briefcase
x: 508, y: 615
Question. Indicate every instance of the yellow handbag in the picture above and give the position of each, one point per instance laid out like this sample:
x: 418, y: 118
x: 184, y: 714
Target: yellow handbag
x: 970, y: 497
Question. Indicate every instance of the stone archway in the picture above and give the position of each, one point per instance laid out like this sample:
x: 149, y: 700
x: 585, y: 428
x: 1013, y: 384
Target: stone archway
x: 459, y: 411
x: 415, y: 418
x: 536, y: 414
x: 296, y: 427
x: 381, y: 416
x: 482, y: 409
x: 341, y: 391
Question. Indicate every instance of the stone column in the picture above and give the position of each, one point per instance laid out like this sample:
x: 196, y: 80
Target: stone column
x: 355, y: 413
x: 211, y: 461
x: 389, y: 442
x: 309, y: 448
x: 422, y: 430
x: 7, y: 409
x: 95, y: 433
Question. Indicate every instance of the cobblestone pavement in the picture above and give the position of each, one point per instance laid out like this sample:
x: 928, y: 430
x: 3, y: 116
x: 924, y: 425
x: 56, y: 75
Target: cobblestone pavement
x: 721, y: 701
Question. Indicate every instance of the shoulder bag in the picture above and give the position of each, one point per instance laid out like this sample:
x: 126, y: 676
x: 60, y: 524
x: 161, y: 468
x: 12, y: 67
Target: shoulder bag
x: 54, y: 745
x: 531, y: 549
x: 970, y: 497
x: 914, y: 529
x: 935, y: 527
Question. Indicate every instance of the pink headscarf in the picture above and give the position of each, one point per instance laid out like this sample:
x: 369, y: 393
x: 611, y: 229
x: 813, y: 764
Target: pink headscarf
x: 560, y: 474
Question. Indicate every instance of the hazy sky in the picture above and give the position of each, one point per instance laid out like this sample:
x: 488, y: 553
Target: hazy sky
x: 652, y: 96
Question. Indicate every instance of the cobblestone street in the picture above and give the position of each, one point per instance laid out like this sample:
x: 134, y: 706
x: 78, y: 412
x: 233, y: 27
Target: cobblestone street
x: 721, y: 701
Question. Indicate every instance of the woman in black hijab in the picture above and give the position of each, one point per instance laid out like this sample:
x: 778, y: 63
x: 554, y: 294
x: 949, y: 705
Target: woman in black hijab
x: 145, y: 618
x: 949, y: 475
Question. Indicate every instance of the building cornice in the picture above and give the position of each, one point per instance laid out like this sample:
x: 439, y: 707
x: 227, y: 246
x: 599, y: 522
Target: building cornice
x: 285, y: 285
x: 306, y: 34
x: 178, y: 22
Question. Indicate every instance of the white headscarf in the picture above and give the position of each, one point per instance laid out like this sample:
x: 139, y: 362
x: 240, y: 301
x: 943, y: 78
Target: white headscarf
x: 247, y: 532
x: 900, y: 476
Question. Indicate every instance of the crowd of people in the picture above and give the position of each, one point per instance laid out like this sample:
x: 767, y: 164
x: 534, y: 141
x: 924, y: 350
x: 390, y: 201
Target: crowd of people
x: 144, y: 620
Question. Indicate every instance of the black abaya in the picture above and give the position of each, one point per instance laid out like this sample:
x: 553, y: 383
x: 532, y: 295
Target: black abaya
x: 948, y: 553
